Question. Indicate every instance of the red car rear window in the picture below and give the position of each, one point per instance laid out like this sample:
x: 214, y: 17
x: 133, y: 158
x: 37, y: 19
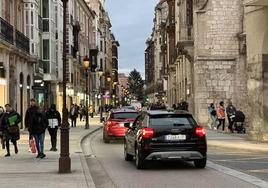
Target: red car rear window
x: 124, y: 115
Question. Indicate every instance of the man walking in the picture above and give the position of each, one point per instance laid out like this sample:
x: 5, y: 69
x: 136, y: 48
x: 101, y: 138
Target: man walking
x: 73, y: 114
x: 213, y: 115
x: 54, y: 121
x: 36, y: 122
x: 11, y: 122
x: 231, y: 110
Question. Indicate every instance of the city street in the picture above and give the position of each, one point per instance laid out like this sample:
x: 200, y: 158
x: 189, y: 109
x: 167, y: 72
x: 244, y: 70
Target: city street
x: 109, y: 169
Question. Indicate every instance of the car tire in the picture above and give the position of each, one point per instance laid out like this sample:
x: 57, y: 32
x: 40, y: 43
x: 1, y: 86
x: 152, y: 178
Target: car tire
x: 140, y: 162
x: 127, y: 156
x: 200, y: 163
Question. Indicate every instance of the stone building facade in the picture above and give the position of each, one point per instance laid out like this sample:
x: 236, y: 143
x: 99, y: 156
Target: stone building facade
x: 256, y: 29
x: 219, y: 57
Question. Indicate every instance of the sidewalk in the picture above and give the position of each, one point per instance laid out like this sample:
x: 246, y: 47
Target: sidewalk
x: 234, y: 141
x: 24, y: 170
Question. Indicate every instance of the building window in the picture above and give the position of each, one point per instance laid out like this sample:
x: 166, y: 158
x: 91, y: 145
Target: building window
x: 45, y: 9
x: 101, y: 46
x: 46, y: 49
x: 31, y: 17
x: 32, y: 48
x: 189, y: 12
x: 32, y: 32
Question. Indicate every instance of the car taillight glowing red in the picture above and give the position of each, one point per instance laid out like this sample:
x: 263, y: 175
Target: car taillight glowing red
x: 112, y: 123
x: 200, y: 131
x: 147, y: 132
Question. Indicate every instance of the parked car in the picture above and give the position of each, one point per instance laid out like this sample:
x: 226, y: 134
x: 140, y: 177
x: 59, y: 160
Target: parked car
x: 163, y: 135
x: 114, y: 125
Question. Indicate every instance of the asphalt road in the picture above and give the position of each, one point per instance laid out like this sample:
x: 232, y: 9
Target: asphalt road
x: 109, y: 169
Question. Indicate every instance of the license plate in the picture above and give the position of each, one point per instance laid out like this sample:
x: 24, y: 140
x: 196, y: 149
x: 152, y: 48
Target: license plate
x: 175, y: 137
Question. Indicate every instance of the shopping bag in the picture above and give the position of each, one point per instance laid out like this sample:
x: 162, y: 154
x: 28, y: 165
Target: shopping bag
x: 33, y: 145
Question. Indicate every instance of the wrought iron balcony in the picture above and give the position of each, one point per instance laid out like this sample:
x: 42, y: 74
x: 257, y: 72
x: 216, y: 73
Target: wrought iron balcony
x: 6, y: 31
x: 22, y: 42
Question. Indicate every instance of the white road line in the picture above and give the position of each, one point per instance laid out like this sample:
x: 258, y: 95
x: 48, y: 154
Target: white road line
x: 240, y: 175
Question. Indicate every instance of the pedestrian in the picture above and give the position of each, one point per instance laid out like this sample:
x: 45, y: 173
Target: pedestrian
x: 73, y: 114
x: 221, y: 115
x: 54, y: 121
x: 80, y: 111
x: 2, y: 135
x: 11, y: 122
x: 91, y: 111
x: 213, y: 115
x: 37, y: 124
x: 174, y: 106
x: 230, y: 110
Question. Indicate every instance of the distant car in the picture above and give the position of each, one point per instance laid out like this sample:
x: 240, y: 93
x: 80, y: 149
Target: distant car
x: 128, y: 107
x: 163, y: 135
x: 114, y: 125
x: 136, y: 104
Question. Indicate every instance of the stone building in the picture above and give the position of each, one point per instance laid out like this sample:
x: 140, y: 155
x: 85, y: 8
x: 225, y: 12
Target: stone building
x: 256, y: 30
x: 16, y: 63
x: 219, y: 56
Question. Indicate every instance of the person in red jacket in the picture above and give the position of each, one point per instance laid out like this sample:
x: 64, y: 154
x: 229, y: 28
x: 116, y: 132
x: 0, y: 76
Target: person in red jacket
x: 221, y: 115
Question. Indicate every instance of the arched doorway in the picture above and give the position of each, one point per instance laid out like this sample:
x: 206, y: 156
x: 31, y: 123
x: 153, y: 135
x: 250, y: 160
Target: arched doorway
x: 21, y: 97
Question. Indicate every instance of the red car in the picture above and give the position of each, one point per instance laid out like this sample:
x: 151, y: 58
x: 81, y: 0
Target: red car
x: 114, y: 125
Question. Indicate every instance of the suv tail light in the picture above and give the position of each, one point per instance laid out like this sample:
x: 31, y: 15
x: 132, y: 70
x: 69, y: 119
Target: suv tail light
x: 200, y: 131
x: 112, y: 123
x: 147, y: 132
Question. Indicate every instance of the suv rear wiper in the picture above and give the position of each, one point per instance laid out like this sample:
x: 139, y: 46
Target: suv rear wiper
x: 178, y: 124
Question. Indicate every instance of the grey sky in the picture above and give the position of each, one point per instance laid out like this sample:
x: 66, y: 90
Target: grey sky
x: 132, y: 22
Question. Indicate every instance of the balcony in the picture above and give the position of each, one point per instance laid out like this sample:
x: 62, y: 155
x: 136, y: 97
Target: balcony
x: 40, y: 23
x: 6, y: 31
x: 22, y: 42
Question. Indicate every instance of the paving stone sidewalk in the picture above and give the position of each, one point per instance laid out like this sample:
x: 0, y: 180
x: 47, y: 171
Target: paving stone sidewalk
x: 25, y: 171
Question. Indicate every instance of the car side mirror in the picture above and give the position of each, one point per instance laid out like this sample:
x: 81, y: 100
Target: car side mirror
x: 127, y: 125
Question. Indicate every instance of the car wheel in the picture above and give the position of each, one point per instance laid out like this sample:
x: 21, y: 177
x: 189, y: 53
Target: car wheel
x: 200, y: 163
x: 139, y: 160
x: 127, y: 156
x: 105, y: 139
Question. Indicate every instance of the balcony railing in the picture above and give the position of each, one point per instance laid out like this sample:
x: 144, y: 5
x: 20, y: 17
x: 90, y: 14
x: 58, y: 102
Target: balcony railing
x: 40, y: 23
x: 22, y: 42
x: 6, y: 31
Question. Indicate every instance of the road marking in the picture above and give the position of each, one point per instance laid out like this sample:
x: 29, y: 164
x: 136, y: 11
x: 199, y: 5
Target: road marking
x: 240, y: 175
x: 259, y: 171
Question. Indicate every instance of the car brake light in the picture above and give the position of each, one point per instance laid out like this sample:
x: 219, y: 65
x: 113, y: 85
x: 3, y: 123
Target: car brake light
x: 200, y: 131
x: 147, y: 132
x: 112, y: 123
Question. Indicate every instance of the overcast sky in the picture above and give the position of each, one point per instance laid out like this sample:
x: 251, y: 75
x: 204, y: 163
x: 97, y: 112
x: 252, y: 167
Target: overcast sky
x: 132, y: 22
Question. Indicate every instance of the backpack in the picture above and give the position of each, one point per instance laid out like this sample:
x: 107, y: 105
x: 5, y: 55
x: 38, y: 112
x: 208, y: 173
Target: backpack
x: 213, y: 112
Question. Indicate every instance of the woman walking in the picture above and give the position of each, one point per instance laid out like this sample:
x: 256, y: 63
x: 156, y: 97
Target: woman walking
x: 213, y: 115
x: 221, y: 115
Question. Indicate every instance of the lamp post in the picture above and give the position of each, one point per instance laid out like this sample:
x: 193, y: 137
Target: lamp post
x: 101, y: 105
x: 64, y: 160
x: 86, y: 66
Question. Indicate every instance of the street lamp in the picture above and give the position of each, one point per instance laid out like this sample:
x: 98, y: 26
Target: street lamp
x: 100, y: 72
x: 64, y: 160
x: 86, y: 64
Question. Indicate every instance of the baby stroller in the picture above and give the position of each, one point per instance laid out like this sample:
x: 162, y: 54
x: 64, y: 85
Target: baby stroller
x: 239, y: 122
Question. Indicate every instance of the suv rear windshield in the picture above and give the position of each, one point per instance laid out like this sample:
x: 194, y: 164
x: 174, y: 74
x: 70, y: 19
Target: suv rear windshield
x: 124, y: 115
x: 172, y: 120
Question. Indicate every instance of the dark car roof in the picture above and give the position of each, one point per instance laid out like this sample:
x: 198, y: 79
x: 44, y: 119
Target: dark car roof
x: 159, y: 112
x: 123, y: 110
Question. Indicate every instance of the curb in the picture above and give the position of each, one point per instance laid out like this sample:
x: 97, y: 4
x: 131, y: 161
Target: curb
x: 86, y: 171
x: 241, y: 148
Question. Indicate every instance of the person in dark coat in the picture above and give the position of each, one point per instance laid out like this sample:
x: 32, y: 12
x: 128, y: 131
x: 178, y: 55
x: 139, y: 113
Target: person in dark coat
x: 230, y: 110
x: 37, y: 123
x: 54, y: 121
x: 2, y: 135
x: 11, y: 122
x: 73, y: 114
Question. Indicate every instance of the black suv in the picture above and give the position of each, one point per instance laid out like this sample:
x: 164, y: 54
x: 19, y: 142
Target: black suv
x: 162, y: 135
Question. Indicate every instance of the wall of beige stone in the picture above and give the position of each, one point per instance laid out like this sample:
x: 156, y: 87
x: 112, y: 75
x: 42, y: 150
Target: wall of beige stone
x: 256, y: 23
x: 218, y: 63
